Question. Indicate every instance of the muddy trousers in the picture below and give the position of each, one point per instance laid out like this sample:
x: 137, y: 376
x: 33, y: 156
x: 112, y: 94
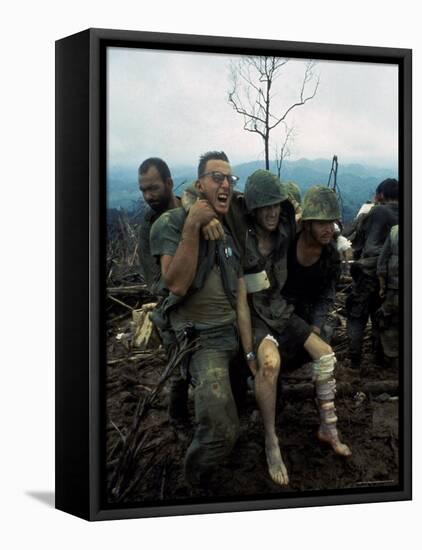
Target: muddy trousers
x: 388, y: 317
x: 217, y: 422
x: 362, y: 304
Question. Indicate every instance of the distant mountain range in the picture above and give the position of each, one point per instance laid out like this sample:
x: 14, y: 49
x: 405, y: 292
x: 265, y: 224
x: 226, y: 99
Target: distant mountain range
x: 356, y: 182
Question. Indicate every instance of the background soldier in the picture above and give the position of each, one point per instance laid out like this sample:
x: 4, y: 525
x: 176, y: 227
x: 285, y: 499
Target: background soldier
x: 364, y: 299
x: 156, y: 186
x: 388, y: 314
x: 295, y: 197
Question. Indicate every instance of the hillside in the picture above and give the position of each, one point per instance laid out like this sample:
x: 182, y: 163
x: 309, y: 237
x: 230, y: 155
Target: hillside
x: 357, y: 182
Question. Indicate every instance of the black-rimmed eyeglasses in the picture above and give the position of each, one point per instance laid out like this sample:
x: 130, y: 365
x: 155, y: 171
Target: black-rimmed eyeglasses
x: 219, y: 177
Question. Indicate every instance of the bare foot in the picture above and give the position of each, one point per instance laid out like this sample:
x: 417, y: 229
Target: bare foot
x: 330, y: 436
x: 276, y: 467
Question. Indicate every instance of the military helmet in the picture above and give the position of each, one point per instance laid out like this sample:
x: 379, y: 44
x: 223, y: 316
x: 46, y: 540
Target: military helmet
x: 320, y: 203
x: 263, y: 189
x: 292, y: 191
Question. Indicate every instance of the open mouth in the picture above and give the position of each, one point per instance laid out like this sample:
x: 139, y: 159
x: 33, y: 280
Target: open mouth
x: 223, y: 198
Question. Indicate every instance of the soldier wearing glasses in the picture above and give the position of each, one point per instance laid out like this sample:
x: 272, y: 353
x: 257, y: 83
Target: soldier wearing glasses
x: 207, y: 298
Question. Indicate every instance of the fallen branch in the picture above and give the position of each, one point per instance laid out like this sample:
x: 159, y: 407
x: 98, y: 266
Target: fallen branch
x: 121, y: 303
x: 127, y: 474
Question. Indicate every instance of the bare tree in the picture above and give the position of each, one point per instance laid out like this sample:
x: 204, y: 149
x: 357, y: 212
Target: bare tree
x: 282, y: 151
x: 252, y: 95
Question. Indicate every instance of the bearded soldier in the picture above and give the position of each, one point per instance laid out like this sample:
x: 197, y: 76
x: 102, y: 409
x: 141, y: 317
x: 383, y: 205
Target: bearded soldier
x: 314, y: 261
x: 156, y: 186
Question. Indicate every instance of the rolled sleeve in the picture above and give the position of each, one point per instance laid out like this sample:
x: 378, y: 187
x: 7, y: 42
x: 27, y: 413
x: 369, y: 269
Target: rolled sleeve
x: 166, y: 232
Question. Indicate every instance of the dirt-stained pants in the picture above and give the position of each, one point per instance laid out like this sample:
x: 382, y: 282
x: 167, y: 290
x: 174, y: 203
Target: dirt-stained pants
x: 362, y: 303
x: 388, y: 317
x: 217, y: 422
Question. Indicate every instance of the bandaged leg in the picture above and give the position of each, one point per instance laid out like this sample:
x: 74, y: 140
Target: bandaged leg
x: 325, y: 386
x: 266, y: 393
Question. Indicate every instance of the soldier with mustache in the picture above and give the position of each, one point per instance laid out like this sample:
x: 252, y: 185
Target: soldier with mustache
x: 156, y: 185
x: 314, y: 261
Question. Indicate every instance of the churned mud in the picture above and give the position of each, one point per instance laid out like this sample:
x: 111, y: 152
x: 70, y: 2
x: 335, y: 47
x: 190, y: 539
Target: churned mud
x: 144, y: 450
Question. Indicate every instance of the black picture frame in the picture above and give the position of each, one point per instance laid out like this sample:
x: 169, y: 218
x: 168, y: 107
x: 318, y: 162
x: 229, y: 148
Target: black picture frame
x: 80, y: 249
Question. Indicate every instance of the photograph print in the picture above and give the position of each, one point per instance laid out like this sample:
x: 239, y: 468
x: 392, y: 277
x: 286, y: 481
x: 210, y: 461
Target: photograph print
x: 253, y: 278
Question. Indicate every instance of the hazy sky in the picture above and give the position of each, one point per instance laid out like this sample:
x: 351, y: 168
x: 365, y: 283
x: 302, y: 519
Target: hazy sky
x: 174, y: 105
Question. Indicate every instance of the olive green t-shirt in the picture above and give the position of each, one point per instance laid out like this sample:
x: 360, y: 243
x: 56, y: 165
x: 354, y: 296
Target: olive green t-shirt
x: 208, y: 306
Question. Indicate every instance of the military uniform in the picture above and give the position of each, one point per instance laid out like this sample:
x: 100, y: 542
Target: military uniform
x: 312, y: 289
x: 388, y: 314
x: 270, y: 312
x: 150, y: 266
x: 363, y: 300
x: 218, y: 271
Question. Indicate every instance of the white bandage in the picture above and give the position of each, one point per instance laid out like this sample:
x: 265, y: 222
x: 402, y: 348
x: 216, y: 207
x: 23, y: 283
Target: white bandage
x: 328, y: 414
x: 326, y: 391
x: 255, y: 282
x: 343, y: 244
x: 323, y: 368
x: 271, y: 338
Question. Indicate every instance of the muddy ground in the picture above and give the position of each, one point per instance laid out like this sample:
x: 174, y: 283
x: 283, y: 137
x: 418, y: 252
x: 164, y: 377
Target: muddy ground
x: 145, y: 459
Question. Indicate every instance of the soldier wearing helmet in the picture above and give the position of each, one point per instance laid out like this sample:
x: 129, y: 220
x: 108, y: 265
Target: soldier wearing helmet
x: 295, y: 197
x: 314, y: 266
x: 314, y: 262
x: 270, y: 230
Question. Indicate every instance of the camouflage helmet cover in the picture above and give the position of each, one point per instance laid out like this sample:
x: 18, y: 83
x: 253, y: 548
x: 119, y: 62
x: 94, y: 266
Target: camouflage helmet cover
x: 292, y: 190
x: 263, y: 189
x: 320, y: 203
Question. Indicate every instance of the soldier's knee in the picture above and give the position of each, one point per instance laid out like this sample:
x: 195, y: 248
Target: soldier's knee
x: 268, y: 358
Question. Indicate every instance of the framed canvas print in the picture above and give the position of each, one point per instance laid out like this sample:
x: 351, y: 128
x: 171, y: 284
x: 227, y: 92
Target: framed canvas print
x: 233, y: 274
